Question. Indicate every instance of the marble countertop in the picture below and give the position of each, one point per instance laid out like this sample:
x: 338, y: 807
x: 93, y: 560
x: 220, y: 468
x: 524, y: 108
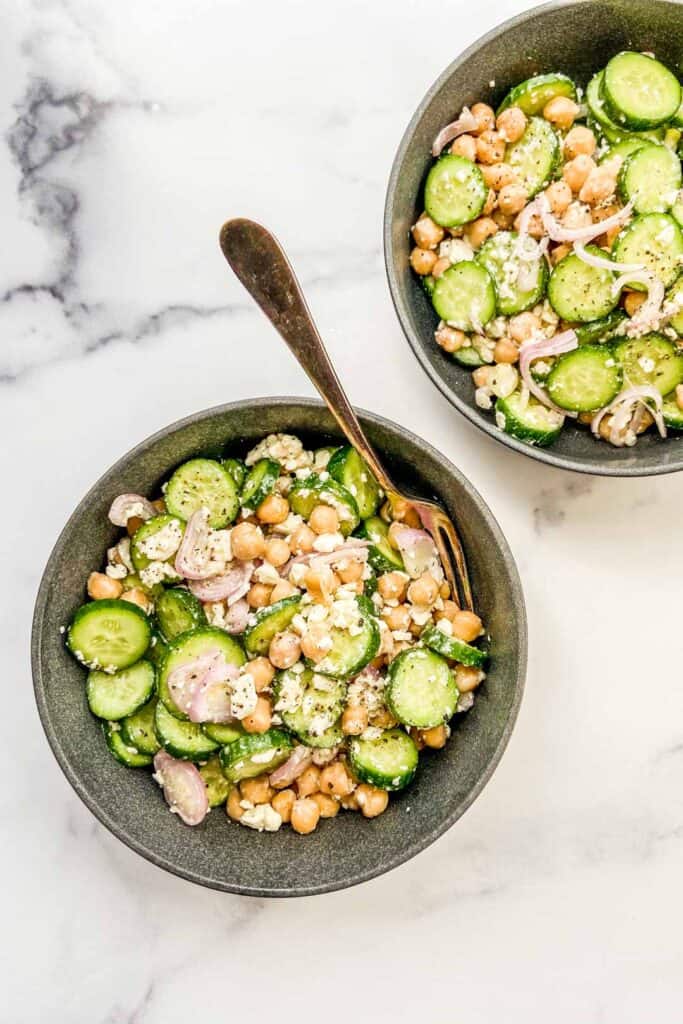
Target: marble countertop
x: 130, y: 132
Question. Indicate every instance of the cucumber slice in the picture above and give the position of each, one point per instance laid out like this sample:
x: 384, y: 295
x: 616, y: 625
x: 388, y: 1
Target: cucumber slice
x: 158, y: 648
x: 500, y: 257
x: 177, y: 611
x: 188, y: 647
x: 654, y: 239
x: 108, y: 634
x: 256, y: 754
x: 639, y: 91
x: 586, y: 379
x: 260, y: 483
x: 390, y: 761
x: 145, y: 536
x: 116, y: 696
x: 269, y: 621
x: 677, y: 210
x: 428, y: 283
x: 464, y: 296
x: 677, y: 118
x: 653, y: 360
x: 455, y: 191
x: 672, y: 412
x: 421, y: 689
x: 306, y: 494
x: 535, y: 156
x: 236, y: 469
x: 181, y: 739
x: 532, y: 95
x: 217, y: 786
x: 203, y: 483
x: 468, y: 356
x: 580, y: 292
x: 352, y: 649
x: 533, y: 422
x: 137, y: 730
x: 453, y: 648
x: 316, y: 718
x: 122, y: 751
x: 223, y: 734
x: 350, y: 469
x: 602, y: 329
x: 628, y: 145
x: 381, y: 555
x: 651, y: 177
x: 675, y: 294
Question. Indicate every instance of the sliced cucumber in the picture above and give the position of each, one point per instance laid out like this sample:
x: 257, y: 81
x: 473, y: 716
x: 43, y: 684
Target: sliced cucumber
x: 531, y: 422
x: 122, y: 751
x: 639, y: 91
x: 652, y: 360
x: 675, y: 294
x: 217, y: 786
x: 108, y: 634
x: 672, y: 412
x: 236, y: 469
x: 352, y: 649
x: 350, y: 469
x: 177, y: 611
x: 655, y: 240
x: 602, y: 329
x: 580, y: 292
x: 145, y: 536
x: 629, y: 145
x: 256, y: 754
x: 158, y: 648
x: 116, y: 696
x: 532, y: 95
x: 651, y: 178
x: 203, y: 483
x: 188, y: 647
x: 454, y: 648
x: 535, y: 157
x: 223, y: 734
x: 500, y: 255
x: 677, y: 210
x: 389, y: 761
x: 586, y: 379
x: 381, y: 555
x: 316, y: 718
x: 428, y: 283
x: 464, y: 296
x: 455, y: 191
x: 260, y: 483
x: 306, y: 494
x: 138, y: 729
x: 421, y: 689
x: 181, y: 739
x: 268, y: 622
x: 468, y: 356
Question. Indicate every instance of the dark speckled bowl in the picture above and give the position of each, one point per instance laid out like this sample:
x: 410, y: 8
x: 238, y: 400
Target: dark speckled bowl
x: 577, y: 38
x: 218, y: 853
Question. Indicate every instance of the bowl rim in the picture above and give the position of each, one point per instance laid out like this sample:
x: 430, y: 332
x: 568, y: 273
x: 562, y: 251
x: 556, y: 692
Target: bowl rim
x: 546, y: 455
x: 400, y: 855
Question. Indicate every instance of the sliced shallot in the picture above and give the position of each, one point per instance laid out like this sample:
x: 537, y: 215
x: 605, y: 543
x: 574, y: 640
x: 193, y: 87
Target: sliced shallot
x: 588, y: 232
x: 604, y: 263
x: 229, y: 586
x: 127, y: 506
x: 622, y: 408
x: 566, y: 341
x: 466, y: 122
x: 418, y: 550
x: 212, y: 701
x: 647, y: 316
x: 192, y: 560
x: 183, y: 788
x: 237, y: 617
x: 184, y: 681
x: 297, y: 762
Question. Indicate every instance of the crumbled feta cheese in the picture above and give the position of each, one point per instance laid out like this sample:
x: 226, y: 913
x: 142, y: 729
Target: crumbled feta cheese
x: 445, y: 626
x: 163, y: 543
x: 319, y: 724
x: 483, y: 398
x: 420, y: 615
x: 290, y: 693
x: 263, y: 756
x: 345, y: 614
x: 266, y: 573
x: 263, y: 818
x: 116, y: 571
x: 243, y: 696
x: 401, y: 635
x: 371, y: 733
x: 465, y: 701
x: 297, y: 573
x: 157, y: 572
x: 328, y: 542
x: 456, y: 250
x: 284, y: 448
x: 287, y: 527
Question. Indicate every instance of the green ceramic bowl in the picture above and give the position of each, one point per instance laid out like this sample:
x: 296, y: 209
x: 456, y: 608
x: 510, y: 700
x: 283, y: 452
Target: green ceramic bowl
x: 218, y: 853
x: 577, y: 38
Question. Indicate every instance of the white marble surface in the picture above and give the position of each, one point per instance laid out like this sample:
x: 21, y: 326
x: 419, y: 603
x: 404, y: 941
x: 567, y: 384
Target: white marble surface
x: 130, y: 131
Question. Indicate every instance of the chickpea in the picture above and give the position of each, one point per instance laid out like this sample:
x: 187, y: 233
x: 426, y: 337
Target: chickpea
x: 467, y: 678
x: 679, y: 396
x: 260, y: 718
x: 490, y: 204
x: 137, y: 596
x: 479, y: 230
x: 427, y: 233
x: 233, y: 808
x: 559, y: 196
x: 397, y: 618
x: 305, y: 816
x: 281, y: 590
x: 577, y: 170
x: 633, y: 301
x: 133, y: 524
x: 523, y: 326
x: 402, y: 511
x: 259, y: 595
x: 559, y: 253
x: 372, y: 801
x: 467, y: 626
x: 511, y: 124
x: 501, y: 220
x: 601, y: 213
x: 160, y: 505
x: 350, y: 570
x: 497, y: 176
x: 600, y: 184
x: 327, y: 805
x: 561, y: 111
x: 422, y: 261
x: 450, y: 339
x: 577, y: 216
x: 283, y: 802
x: 301, y: 541
x: 484, y: 116
x: 101, y: 587
x: 436, y: 737
x: 354, y: 720
x: 482, y: 376
x: 512, y: 199
x: 490, y: 147
x: 257, y: 790
x: 535, y: 226
x: 449, y: 610
x: 247, y: 541
x: 276, y: 551
x: 284, y: 649
x: 392, y: 586
x: 466, y: 146
x: 309, y: 781
x: 273, y: 510
x: 383, y: 719
x: 321, y: 582
x: 423, y: 591
x: 445, y: 590
x: 323, y: 519
x: 316, y: 643
x: 579, y: 141
x: 350, y: 803
x: 440, y: 267
x: 505, y: 351
x: 335, y: 780
x: 262, y: 672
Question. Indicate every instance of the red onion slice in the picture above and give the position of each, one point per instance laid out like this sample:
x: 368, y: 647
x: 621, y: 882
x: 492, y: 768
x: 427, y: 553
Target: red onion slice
x: 229, y: 586
x: 126, y: 506
x: 191, y: 560
x: 566, y: 341
x: 604, y: 263
x: 211, y: 701
x: 418, y: 550
x: 467, y: 122
x: 647, y: 316
x: 237, y: 617
x: 184, y: 681
x: 297, y: 763
x: 624, y: 403
x: 558, y: 233
x: 183, y: 788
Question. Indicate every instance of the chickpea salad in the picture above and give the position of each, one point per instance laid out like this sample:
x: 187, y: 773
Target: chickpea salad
x: 551, y: 246
x: 272, y: 635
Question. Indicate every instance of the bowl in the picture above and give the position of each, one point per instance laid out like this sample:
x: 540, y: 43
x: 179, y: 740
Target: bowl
x: 218, y: 853
x: 577, y: 38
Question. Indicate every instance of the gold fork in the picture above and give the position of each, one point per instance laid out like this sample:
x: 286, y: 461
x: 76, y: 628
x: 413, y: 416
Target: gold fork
x: 260, y: 263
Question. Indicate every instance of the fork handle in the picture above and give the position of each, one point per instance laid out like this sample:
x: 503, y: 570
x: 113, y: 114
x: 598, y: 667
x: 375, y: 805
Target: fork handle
x: 260, y: 263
